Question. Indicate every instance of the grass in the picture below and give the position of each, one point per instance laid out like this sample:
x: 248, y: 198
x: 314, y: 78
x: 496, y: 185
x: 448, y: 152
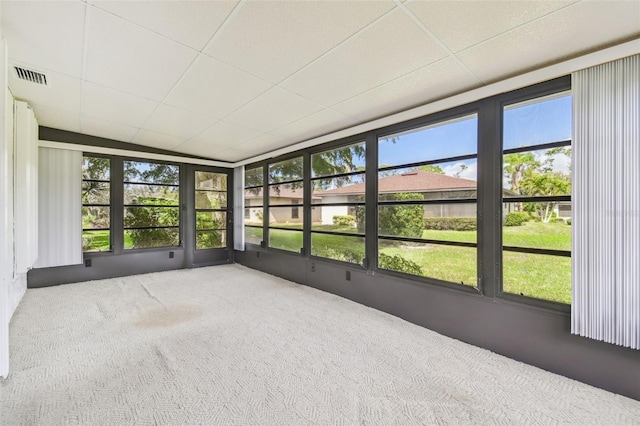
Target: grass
x: 538, y: 276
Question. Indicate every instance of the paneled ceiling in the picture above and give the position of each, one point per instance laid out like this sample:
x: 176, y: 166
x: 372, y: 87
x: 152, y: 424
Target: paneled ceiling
x: 229, y: 80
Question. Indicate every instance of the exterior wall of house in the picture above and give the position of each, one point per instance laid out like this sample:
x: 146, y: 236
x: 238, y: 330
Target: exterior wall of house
x: 327, y: 212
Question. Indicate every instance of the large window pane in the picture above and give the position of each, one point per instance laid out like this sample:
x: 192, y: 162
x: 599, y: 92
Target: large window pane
x: 288, y: 170
x: 541, y: 172
x: 285, y: 240
x: 211, y: 181
x: 338, y: 218
x: 148, y: 172
x: 151, y: 194
x: 286, y: 194
x: 442, y: 140
x: 447, y: 263
x: 536, y: 275
x: 537, y: 121
x: 288, y: 217
x: 96, y: 200
x: 211, y: 239
x: 135, y: 217
x: 253, y: 177
x: 96, y: 240
x: 154, y: 237
x: 210, y: 220
x: 255, y: 216
x: 342, y: 189
x: 338, y: 247
x: 526, y: 228
x: 253, y: 235
x: 339, y: 160
x: 211, y: 200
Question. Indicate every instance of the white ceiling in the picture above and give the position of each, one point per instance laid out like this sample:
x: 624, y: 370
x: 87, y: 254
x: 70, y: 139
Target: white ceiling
x: 230, y: 80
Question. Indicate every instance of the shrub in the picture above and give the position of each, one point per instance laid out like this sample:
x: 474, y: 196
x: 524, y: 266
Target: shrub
x: 557, y: 220
x: 516, y: 218
x: 568, y: 221
x: 399, y: 264
x: 152, y: 216
x: 451, y: 223
x: 344, y: 220
x: 404, y: 220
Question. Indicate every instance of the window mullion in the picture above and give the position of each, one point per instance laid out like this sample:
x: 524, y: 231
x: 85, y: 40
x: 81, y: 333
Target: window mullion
x: 117, y: 205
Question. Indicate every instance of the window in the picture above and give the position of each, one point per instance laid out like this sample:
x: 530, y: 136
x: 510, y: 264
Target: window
x: 536, y: 235
x: 338, y: 204
x: 427, y: 201
x: 211, y: 210
x: 284, y: 187
x: 151, y: 204
x: 96, y: 204
x: 253, y: 205
x: 295, y: 213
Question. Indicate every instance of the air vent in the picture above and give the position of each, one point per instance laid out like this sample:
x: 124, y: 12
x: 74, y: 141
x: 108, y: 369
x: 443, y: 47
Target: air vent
x: 32, y: 76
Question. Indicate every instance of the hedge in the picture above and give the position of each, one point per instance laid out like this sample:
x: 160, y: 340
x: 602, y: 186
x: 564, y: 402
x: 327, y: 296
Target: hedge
x: 451, y: 223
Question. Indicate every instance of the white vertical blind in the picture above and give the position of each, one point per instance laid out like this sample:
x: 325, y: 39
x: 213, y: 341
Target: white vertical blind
x: 26, y: 187
x: 606, y: 196
x: 60, y: 211
x: 238, y: 208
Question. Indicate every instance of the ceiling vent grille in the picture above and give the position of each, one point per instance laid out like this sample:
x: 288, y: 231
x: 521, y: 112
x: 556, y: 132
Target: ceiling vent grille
x: 32, y: 76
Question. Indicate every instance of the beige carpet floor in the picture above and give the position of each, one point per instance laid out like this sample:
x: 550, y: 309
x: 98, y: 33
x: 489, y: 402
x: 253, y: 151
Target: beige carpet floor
x: 229, y: 345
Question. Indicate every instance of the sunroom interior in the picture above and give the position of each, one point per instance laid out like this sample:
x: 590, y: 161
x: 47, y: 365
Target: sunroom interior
x: 469, y: 167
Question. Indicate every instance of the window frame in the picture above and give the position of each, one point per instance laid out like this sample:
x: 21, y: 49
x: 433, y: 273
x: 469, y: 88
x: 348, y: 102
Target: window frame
x: 111, y: 204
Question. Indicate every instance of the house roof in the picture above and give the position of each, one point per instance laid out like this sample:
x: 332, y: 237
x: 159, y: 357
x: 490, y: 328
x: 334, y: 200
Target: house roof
x: 414, y: 181
x: 285, y: 191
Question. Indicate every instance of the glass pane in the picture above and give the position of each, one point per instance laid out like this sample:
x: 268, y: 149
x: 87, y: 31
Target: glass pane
x: 537, y: 121
x: 338, y: 190
x: 442, y: 140
x: 286, y: 170
x: 253, y: 177
x: 96, y: 217
x: 95, y: 168
x: 151, y: 216
x: 145, y: 238
x: 211, y: 181
x: 96, y: 241
x: 211, y: 239
x: 211, y: 220
x: 285, y: 240
x: 535, y: 275
x: 286, y: 194
x: 543, y: 172
x: 338, y: 247
x: 95, y: 192
x: 142, y: 194
x: 211, y: 200
x: 252, y: 235
x: 340, y: 160
x: 143, y: 171
x: 524, y: 225
x: 338, y: 218
x: 253, y: 197
x: 448, y: 263
x: 444, y: 181
x: 255, y: 216
x: 289, y: 217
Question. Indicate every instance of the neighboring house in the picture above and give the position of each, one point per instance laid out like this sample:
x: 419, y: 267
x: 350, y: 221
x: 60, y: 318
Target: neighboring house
x: 286, y: 205
x: 432, y: 186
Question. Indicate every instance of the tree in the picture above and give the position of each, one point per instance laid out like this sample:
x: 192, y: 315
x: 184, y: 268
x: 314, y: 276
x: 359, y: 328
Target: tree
x: 431, y: 168
x: 397, y: 220
x: 545, y: 184
x: 516, y: 166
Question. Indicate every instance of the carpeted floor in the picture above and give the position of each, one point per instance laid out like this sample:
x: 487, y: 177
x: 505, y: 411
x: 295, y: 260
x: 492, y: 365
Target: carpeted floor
x: 228, y: 345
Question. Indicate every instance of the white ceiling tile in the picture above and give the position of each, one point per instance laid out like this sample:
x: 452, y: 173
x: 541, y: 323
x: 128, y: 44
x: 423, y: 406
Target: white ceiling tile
x: 460, y: 24
x: 273, y: 109
x: 578, y: 29
x: 56, y: 119
x: 274, y: 39
x: 157, y: 140
x: 188, y: 22
x: 215, y: 89
x: 46, y: 34
x: 114, y: 106
x: 124, y: 56
x: 192, y: 147
x: 230, y: 155
x: 224, y: 134
x: 392, y: 47
x: 62, y: 91
x: 444, y: 78
x: 177, y: 122
x: 105, y: 129
x: 263, y: 143
x: 318, y: 124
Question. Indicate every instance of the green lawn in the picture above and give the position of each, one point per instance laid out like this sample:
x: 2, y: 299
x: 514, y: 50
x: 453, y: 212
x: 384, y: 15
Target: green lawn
x: 539, y: 276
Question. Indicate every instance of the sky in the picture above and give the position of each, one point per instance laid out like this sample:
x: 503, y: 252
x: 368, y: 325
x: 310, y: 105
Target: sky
x: 526, y: 124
